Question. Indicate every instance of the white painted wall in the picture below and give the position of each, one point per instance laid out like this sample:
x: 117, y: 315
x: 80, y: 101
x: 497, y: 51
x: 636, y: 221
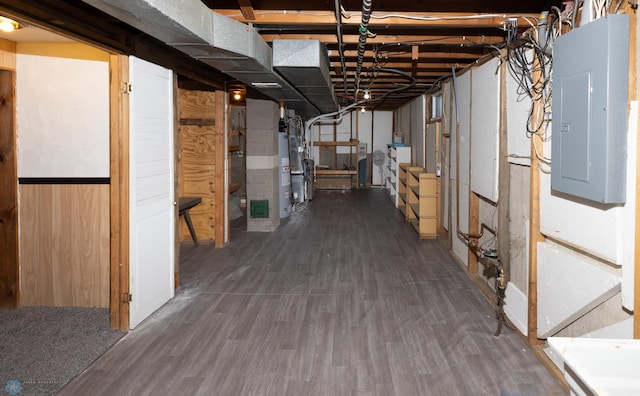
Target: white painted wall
x: 403, y: 123
x: 461, y: 175
x: 382, y: 135
x: 62, y: 110
x: 485, y: 115
x: 570, y: 285
x: 343, y: 134
x: 518, y: 106
x: 363, y: 123
x: 417, y: 126
x: 430, y: 152
x: 628, y: 250
x: 448, y: 117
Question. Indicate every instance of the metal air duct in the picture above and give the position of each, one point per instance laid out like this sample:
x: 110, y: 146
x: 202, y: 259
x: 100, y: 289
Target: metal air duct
x: 305, y: 64
x: 232, y: 47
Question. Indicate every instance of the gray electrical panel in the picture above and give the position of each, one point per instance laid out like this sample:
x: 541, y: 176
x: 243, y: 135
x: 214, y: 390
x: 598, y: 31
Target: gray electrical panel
x: 590, y: 101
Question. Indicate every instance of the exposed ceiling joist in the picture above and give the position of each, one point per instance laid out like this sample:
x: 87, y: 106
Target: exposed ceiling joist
x: 247, y: 10
x: 422, y: 39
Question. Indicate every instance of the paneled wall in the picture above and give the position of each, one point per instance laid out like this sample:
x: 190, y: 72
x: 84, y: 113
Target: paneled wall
x: 196, y: 160
x: 64, y: 245
x: 62, y: 108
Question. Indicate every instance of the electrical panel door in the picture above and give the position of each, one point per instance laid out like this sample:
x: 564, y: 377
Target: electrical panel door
x: 590, y: 101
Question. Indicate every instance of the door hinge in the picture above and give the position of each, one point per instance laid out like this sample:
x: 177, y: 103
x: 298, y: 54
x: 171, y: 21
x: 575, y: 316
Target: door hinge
x: 128, y: 298
x: 126, y: 87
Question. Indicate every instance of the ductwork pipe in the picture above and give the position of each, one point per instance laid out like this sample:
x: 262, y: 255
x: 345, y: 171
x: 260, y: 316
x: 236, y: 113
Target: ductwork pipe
x: 364, y: 28
x: 340, y: 43
x: 586, y: 15
x: 543, y: 35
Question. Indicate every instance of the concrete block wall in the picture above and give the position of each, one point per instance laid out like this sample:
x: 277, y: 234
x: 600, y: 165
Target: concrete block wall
x: 263, y: 162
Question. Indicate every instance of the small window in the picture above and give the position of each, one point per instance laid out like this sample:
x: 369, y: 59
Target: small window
x: 436, y: 106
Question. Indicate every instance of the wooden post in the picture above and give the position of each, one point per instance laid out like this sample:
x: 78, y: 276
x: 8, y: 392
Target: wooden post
x: 446, y: 171
x: 535, y: 237
x: 415, y: 52
x: 503, y: 174
x: 9, y: 281
x: 119, y: 191
x: 474, y: 229
x: 220, y: 173
x: 474, y: 200
x: 534, y: 220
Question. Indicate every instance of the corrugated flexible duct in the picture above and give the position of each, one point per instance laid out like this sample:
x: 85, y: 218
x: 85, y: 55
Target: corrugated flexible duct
x: 364, y: 29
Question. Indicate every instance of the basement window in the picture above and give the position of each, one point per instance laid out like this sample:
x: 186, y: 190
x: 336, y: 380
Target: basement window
x: 436, y: 106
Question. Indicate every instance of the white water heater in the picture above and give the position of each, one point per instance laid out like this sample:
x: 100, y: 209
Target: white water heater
x: 285, y: 175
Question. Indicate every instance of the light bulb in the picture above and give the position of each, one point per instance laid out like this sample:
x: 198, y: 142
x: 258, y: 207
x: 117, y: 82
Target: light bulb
x: 362, y: 109
x: 7, y: 26
x: 237, y: 96
x: 366, y: 95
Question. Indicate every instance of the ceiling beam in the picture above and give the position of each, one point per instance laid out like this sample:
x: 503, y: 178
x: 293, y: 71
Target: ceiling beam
x: 247, y: 10
x: 387, y: 39
x: 403, y: 55
x: 411, y: 65
x: 407, y: 19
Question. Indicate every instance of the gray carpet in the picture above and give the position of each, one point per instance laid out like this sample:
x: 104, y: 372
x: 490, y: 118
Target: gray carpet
x: 43, y: 348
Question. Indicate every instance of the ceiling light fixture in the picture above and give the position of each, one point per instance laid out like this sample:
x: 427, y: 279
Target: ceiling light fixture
x: 237, y: 95
x: 362, y: 109
x: 8, y: 25
x: 266, y: 85
x: 366, y: 94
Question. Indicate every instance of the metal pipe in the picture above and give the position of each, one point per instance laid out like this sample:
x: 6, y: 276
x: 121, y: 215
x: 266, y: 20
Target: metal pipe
x: 364, y: 24
x: 586, y: 15
x: 340, y: 43
x: 574, y: 16
x: 543, y: 34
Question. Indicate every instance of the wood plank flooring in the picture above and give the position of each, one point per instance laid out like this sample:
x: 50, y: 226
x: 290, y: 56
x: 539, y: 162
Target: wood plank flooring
x: 343, y: 299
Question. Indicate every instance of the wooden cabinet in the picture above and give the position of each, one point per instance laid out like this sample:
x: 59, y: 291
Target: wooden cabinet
x: 395, y: 156
x: 420, y: 198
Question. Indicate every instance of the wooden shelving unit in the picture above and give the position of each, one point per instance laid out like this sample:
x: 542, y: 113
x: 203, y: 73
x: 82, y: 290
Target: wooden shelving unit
x: 421, y: 202
x: 336, y: 179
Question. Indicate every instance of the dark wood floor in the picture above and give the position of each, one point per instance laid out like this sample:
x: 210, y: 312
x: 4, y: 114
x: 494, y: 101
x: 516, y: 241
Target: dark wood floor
x: 343, y: 299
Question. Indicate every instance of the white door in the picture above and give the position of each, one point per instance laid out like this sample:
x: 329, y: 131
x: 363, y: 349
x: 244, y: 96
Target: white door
x: 151, y: 189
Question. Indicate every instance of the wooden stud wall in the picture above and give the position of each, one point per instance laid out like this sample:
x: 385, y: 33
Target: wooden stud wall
x: 7, y: 55
x: 197, y: 160
x: 221, y: 235
x: 9, y: 290
x: 504, y: 177
x: 535, y: 235
x: 64, y: 251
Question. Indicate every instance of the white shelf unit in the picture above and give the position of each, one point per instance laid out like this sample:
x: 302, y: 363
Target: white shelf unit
x: 395, y: 156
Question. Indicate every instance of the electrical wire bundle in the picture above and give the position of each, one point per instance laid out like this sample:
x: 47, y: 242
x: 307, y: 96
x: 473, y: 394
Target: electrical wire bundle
x: 530, y: 65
